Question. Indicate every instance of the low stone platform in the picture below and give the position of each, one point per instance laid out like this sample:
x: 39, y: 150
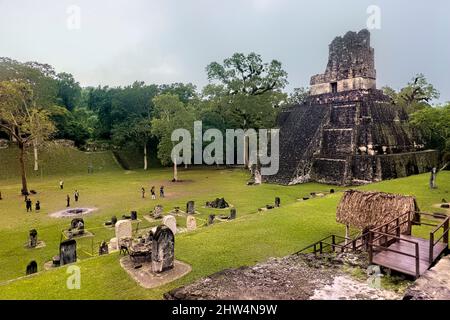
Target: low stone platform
x: 40, y: 244
x: 147, y: 279
x: 86, y: 234
x: 72, y: 212
x: 295, y: 277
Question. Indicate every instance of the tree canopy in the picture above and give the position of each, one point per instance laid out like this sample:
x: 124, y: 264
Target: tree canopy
x: 416, y: 95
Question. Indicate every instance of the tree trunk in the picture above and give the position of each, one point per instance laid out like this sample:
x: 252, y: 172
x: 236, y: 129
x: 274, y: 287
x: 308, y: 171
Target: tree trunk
x: 22, y: 168
x: 35, y: 149
x: 246, y: 156
x: 175, y: 170
x: 145, y: 157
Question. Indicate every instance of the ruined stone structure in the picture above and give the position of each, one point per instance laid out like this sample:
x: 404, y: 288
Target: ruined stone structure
x: 348, y: 132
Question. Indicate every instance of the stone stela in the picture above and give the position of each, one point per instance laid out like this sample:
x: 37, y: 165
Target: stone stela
x: 163, y: 249
x: 67, y: 252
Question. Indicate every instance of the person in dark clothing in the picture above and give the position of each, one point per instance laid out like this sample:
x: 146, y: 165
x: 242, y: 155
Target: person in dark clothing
x: 28, y: 204
x: 68, y: 201
x: 152, y: 191
x: 161, y: 191
x: 143, y: 192
x: 37, y: 206
x: 76, y: 195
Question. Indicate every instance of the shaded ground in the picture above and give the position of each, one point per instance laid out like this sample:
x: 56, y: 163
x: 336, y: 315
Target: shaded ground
x: 295, y: 277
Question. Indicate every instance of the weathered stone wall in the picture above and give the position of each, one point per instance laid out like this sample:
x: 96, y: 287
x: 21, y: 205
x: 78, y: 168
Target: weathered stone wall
x: 351, y: 65
x: 344, y: 85
x: 350, y: 138
x: 297, y: 145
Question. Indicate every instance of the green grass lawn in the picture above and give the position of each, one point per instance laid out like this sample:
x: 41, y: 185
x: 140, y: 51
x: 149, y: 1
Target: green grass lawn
x: 54, y: 160
x: 253, y: 237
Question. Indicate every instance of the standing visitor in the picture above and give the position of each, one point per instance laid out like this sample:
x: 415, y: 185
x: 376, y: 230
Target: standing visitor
x: 38, y: 206
x: 68, y: 201
x: 76, y: 195
x: 161, y: 191
x: 61, y: 184
x: 29, y: 204
x: 143, y: 192
x: 152, y: 191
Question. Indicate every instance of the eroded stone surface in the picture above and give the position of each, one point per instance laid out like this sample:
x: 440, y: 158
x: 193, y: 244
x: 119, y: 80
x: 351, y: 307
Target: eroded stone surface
x: 434, y: 284
x: 296, y: 277
x: 170, y: 222
x: 123, y: 229
x: 163, y: 249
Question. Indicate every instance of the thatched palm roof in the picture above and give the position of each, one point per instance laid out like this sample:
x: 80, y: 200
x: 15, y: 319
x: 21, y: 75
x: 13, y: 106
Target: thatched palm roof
x: 366, y: 209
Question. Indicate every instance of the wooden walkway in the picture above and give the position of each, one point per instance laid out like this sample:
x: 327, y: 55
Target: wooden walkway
x: 392, y: 246
x: 407, y: 264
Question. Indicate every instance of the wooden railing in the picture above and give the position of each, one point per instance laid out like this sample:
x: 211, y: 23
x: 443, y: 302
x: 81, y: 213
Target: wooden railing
x: 433, y: 242
x: 332, y: 243
x: 383, y: 236
x: 380, y: 238
x: 385, y: 247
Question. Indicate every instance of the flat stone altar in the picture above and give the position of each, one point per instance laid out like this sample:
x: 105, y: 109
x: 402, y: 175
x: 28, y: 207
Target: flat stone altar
x: 148, y: 279
x: 72, y: 212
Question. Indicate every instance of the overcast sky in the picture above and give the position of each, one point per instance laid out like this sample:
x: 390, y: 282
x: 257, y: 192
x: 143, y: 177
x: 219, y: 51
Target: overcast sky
x: 164, y: 41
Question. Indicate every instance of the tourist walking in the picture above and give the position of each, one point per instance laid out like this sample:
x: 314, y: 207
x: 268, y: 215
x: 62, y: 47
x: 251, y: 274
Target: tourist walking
x: 61, y: 184
x: 161, y: 191
x: 152, y: 191
x: 143, y: 192
x: 68, y: 201
x: 37, y: 206
x: 76, y: 195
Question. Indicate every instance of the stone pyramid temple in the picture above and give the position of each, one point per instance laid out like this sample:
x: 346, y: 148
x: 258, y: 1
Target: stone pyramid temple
x: 348, y: 132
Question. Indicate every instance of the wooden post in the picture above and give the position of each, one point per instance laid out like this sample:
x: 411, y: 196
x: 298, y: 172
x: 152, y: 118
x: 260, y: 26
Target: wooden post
x: 446, y: 225
x: 320, y: 247
x: 333, y: 241
x: 370, y: 247
x: 410, y: 223
x: 431, y: 247
x: 397, y: 229
x: 417, y: 261
x: 347, y: 233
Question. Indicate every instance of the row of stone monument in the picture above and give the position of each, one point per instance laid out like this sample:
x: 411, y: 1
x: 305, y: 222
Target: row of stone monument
x: 162, y: 237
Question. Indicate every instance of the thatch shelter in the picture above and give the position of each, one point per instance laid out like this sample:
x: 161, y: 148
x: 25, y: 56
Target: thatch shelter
x: 368, y: 209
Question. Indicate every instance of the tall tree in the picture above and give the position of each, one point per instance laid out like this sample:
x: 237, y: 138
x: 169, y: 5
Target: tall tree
x: 170, y: 114
x: 40, y: 76
x: 69, y: 91
x: 23, y: 119
x: 131, y: 110
x: 185, y: 92
x: 248, y: 74
x: 434, y: 124
x: 416, y: 95
x: 298, y: 96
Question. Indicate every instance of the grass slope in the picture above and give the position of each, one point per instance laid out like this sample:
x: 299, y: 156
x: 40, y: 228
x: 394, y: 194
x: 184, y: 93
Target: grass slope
x: 253, y: 237
x: 54, y: 160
